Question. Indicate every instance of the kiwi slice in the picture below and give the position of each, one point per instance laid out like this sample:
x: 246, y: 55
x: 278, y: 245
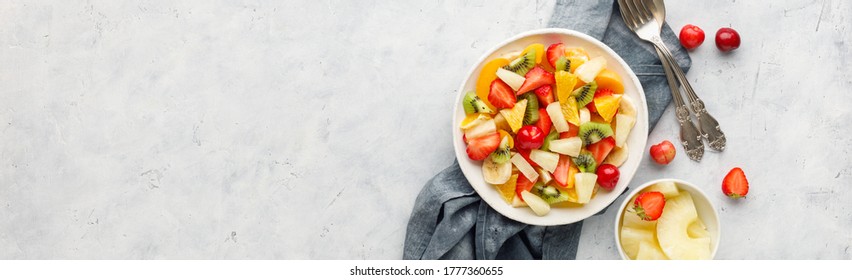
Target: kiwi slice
x: 592, y: 132
x: 522, y: 64
x: 585, y: 94
x: 553, y: 135
x: 563, y: 64
x: 550, y: 194
x: 502, y: 154
x: 472, y: 104
x: 585, y: 162
x: 531, y: 113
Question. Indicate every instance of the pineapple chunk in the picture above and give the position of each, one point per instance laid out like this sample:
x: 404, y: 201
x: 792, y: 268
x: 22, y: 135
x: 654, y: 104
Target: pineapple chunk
x: 546, y: 160
x: 678, y: 214
x: 648, y: 251
x: 585, y: 185
x: 632, y: 220
x: 589, y: 70
x: 668, y: 188
x: 632, y: 237
x: 554, y: 110
x: 623, y: 125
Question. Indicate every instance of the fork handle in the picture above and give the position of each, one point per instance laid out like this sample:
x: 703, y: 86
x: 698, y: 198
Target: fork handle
x: 690, y: 136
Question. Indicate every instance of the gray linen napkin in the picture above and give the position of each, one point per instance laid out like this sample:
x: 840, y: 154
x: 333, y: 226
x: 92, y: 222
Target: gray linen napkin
x: 450, y: 221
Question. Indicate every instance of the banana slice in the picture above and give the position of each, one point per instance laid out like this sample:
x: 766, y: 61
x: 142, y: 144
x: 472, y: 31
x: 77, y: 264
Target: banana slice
x: 617, y: 157
x: 496, y: 173
x: 627, y: 106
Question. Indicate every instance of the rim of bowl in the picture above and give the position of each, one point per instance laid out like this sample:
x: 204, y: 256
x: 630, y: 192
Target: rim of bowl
x: 692, y: 186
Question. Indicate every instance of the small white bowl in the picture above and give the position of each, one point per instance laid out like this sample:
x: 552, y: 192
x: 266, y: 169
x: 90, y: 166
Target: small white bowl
x: 706, y: 212
x: 635, y: 141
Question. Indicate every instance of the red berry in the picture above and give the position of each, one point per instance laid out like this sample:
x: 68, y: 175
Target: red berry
x: 663, y: 153
x: 608, y: 176
x: 727, y: 39
x: 691, y: 36
x: 735, y: 184
x: 529, y: 137
x: 649, y: 205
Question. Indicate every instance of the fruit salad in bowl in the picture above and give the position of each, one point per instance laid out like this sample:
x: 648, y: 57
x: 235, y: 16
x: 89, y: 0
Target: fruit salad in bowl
x: 543, y: 127
x: 667, y: 219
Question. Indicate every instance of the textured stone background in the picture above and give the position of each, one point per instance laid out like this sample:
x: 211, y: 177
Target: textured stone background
x: 305, y: 129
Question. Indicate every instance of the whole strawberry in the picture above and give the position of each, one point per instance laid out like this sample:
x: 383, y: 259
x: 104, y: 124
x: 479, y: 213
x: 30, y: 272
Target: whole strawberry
x: 735, y: 184
x: 649, y: 205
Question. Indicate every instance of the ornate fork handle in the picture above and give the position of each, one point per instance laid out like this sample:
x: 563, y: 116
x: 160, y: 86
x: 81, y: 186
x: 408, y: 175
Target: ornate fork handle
x: 708, y: 126
x: 690, y: 137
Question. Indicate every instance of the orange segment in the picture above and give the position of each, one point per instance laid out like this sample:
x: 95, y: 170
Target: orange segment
x: 611, y: 80
x: 607, y: 106
x: 539, y: 51
x: 503, y: 134
x: 486, y: 76
x: 577, y: 56
x: 507, y: 190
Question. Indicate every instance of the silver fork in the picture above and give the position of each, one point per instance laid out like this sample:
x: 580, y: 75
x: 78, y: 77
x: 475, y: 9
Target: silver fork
x: 707, y: 125
x: 645, y: 28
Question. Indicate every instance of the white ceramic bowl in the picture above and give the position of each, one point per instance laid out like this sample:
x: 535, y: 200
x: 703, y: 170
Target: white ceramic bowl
x: 635, y: 142
x: 706, y: 212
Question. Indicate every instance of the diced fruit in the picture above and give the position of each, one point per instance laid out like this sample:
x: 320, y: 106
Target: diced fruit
x: 525, y: 153
x: 501, y: 95
x: 473, y: 120
x: 585, y: 116
x: 570, y: 112
x: 589, y: 70
x: 531, y: 112
x: 504, y: 134
x: 631, y: 220
x: 649, y: 205
x: 570, y: 146
x: 627, y: 107
x: 537, y: 204
x: 607, y: 106
x: 697, y: 230
x: 585, y: 162
x: 515, y: 116
x: 545, y: 95
x: 632, y: 237
x: 601, y: 149
x: 584, y: 183
x: 565, y: 82
x: 553, y: 135
x: 544, y: 177
x: 523, y: 63
x: 472, y: 104
x: 623, y: 125
x: 550, y: 194
x: 554, y: 52
x: 563, y: 64
x: 608, y: 176
x: 543, y: 122
x: 608, y: 79
x: 525, y: 168
x: 501, y: 123
x: 691, y: 36
x: 546, y: 160
x: 562, y: 172
x: 573, y: 131
x: 535, y: 78
x: 617, y: 157
x: 523, y: 184
x: 735, y: 184
x: 650, y: 251
x: 538, y: 49
x: 529, y: 137
x: 481, y: 128
x: 511, y: 78
x: 679, y: 212
x: 487, y: 76
x: 479, y: 148
x: 507, y: 190
x: 585, y: 94
x: 663, y: 153
x: 727, y: 39
x: 667, y: 188
x: 517, y: 201
x: 554, y: 110
x: 502, y: 154
x: 592, y: 132
x: 496, y: 173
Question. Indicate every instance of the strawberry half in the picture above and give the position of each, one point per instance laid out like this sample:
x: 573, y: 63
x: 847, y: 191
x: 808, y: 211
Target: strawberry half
x: 649, y: 205
x: 526, y: 154
x: 602, y: 148
x: 535, y: 78
x: 554, y: 52
x: 501, y: 95
x: 573, y: 131
x: 735, y: 184
x: 560, y: 175
x: 479, y: 148
x: 545, y: 95
x: 544, y: 123
x: 523, y: 184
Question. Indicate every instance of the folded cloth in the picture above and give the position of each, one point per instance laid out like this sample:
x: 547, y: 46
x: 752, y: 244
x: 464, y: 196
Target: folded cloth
x: 450, y: 221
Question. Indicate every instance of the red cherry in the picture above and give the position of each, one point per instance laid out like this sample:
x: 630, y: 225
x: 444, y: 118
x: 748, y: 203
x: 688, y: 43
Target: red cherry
x: 691, y: 36
x: 529, y: 137
x: 608, y: 176
x: 663, y: 153
x: 727, y: 39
